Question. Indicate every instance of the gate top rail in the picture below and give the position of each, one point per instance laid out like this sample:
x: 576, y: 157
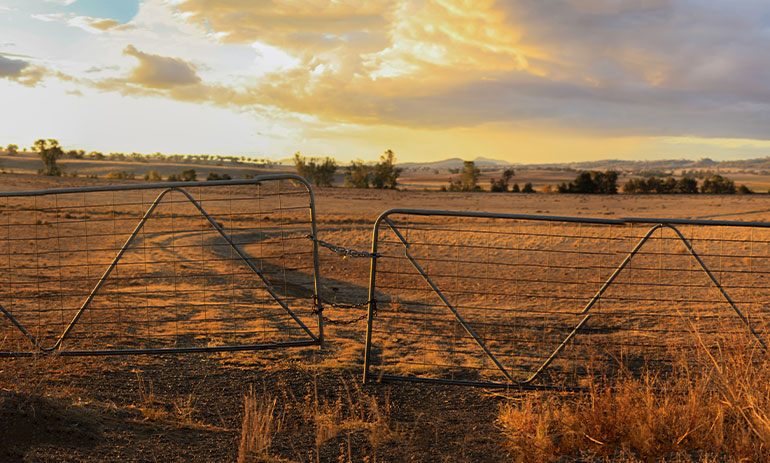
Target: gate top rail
x: 556, y: 218
x: 149, y: 186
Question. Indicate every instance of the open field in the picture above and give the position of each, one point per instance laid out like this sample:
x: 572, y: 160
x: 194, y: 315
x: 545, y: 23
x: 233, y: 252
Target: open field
x: 191, y: 407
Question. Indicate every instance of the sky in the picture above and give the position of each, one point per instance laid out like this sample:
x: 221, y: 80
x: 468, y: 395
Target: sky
x: 525, y: 81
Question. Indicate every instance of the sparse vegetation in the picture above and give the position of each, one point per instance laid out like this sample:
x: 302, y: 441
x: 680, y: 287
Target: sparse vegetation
x: 592, y: 182
x: 259, y: 426
x: 469, y: 178
x: 718, y: 185
x: 216, y: 176
x: 386, y: 173
x: 187, y: 175
x: 501, y: 184
x: 153, y: 176
x: 319, y: 172
x: 50, y: 152
x: 724, y: 409
x: 121, y: 175
x: 358, y: 174
x: 651, y: 184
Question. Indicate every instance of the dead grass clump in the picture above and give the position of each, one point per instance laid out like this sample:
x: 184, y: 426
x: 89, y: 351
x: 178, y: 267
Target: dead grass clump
x: 259, y: 427
x: 724, y: 409
x: 149, y: 405
x: 348, y: 412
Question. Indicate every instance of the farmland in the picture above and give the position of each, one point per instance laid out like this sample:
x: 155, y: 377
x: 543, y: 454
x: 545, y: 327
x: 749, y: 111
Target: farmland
x: 190, y: 407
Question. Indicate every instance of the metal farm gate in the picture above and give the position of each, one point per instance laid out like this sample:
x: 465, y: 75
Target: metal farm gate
x: 507, y: 300
x: 168, y: 267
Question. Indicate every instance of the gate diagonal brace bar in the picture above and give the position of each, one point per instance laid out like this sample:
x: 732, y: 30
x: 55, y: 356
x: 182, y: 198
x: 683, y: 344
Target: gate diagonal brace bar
x: 448, y: 304
x: 246, y: 259
x: 586, y: 311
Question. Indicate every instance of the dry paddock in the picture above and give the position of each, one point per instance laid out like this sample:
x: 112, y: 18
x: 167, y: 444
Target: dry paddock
x: 191, y: 407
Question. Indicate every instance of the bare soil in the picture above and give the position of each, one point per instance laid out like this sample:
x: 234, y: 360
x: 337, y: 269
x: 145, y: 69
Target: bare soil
x: 190, y: 407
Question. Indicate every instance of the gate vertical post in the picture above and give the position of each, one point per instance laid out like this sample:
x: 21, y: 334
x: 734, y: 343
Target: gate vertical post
x: 372, y: 302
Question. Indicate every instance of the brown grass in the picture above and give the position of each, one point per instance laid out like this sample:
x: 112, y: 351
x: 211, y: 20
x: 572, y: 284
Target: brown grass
x: 722, y: 409
x: 259, y: 426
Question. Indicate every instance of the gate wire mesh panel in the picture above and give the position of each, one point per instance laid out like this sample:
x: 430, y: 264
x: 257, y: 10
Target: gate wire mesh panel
x: 158, y: 268
x: 537, y: 301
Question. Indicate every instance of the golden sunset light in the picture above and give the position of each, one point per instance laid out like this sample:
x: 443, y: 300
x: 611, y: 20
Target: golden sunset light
x: 513, y: 80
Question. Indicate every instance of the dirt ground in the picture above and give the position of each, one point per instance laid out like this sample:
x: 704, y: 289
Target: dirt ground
x: 190, y: 407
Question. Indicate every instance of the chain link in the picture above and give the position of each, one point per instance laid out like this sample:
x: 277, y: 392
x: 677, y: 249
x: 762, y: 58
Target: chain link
x: 319, y: 302
x: 343, y: 251
x: 319, y: 308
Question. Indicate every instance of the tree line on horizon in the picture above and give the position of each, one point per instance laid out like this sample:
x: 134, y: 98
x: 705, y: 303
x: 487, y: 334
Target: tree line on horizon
x: 320, y: 172
x: 598, y: 182
x: 15, y: 150
x: 50, y: 151
x: 385, y: 174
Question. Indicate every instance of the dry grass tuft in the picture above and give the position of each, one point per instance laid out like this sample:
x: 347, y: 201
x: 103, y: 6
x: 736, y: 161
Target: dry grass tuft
x: 149, y: 405
x: 259, y: 427
x: 723, y: 409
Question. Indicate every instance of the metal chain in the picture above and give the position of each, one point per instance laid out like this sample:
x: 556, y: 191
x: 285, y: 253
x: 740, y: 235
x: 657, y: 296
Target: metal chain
x: 319, y: 308
x: 319, y: 302
x: 343, y: 251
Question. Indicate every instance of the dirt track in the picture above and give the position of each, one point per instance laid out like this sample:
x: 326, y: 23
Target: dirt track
x: 190, y: 407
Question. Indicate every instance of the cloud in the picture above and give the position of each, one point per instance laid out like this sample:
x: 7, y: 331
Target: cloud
x: 619, y: 68
x: 11, y: 67
x: 95, y: 69
x: 160, y: 72
x: 62, y: 2
x: 86, y: 23
x: 20, y: 71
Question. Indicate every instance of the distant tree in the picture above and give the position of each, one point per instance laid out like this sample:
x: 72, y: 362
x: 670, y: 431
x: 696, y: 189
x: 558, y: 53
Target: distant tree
x: 592, y: 182
x: 385, y: 172
x: 688, y: 185
x: 469, y: 178
x: 653, y: 184
x: 501, y: 184
x: 50, y: 152
x: 123, y: 174
x: 216, y: 176
x: 153, y: 176
x: 12, y: 150
x: 716, y: 184
x: 515, y: 188
x: 75, y: 154
x: 188, y: 175
x: 318, y: 171
x: 96, y: 155
x: 744, y: 190
x: 527, y: 188
x: 303, y: 166
x: 358, y: 174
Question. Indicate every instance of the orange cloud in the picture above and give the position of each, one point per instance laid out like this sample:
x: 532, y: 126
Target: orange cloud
x: 21, y: 71
x: 160, y: 72
x: 87, y: 23
x: 604, y: 67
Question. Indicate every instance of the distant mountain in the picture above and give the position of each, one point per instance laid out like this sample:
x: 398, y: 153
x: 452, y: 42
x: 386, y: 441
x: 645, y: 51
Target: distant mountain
x: 453, y: 163
x: 755, y: 164
x: 636, y: 166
